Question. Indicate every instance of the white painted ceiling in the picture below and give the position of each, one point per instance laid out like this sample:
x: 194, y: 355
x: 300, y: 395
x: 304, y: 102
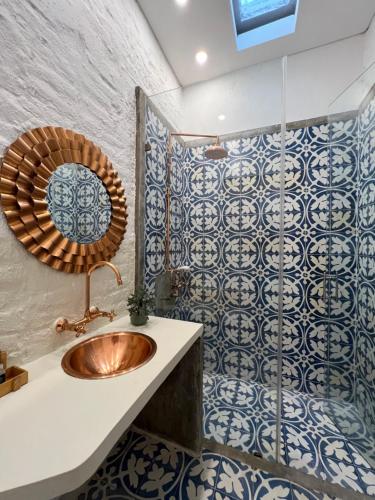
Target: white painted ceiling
x: 207, y: 25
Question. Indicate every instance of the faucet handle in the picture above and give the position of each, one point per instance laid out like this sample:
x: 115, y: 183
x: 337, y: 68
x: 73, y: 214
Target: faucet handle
x: 60, y: 325
x: 94, y: 309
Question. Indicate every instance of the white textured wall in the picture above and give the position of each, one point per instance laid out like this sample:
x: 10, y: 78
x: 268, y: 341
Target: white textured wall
x: 68, y: 63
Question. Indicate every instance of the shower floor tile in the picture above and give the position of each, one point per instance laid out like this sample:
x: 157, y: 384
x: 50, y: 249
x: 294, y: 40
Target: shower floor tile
x: 243, y: 415
x: 141, y: 467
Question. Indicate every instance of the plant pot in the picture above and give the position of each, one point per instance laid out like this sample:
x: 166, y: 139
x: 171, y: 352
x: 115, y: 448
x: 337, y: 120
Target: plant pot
x: 138, y: 319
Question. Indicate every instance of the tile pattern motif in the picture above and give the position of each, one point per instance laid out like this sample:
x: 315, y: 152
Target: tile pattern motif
x: 79, y: 203
x: 231, y: 244
x: 140, y: 467
x: 242, y: 415
x: 231, y: 235
x: 155, y: 203
x: 320, y: 232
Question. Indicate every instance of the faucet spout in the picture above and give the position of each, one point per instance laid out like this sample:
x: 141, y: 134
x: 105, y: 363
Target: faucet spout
x: 88, y: 278
x: 91, y: 313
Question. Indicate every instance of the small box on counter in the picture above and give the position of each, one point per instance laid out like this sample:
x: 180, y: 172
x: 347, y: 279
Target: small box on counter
x: 15, y: 377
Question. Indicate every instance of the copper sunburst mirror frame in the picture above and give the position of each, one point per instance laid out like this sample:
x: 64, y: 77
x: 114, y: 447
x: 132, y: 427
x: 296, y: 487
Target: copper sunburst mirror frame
x: 24, y: 175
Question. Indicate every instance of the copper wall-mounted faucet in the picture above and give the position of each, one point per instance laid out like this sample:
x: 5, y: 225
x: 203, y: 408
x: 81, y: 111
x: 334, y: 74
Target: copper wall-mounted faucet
x: 91, y: 313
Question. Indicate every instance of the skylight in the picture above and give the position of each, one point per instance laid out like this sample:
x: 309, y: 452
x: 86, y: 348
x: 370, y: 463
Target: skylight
x: 253, y: 8
x: 260, y: 21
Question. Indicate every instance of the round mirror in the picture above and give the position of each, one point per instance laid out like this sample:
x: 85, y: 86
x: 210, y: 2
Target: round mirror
x: 79, y: 203
x: 62, y: 198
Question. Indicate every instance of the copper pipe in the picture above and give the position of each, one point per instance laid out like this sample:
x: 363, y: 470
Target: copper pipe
x: 183, y: 134
x: 168, y: 195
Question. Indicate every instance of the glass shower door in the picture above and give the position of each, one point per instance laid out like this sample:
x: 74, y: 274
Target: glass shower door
x: 350, y: 280
x: 230, y: 242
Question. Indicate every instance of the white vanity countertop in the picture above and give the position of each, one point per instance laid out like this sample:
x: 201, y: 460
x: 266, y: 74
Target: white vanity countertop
x: 56, y: 430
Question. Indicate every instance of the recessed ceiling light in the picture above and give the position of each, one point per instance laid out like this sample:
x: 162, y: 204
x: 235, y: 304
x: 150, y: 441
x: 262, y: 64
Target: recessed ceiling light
x: 181, y: 3
x: 221, y: 117
x: 201, y: 57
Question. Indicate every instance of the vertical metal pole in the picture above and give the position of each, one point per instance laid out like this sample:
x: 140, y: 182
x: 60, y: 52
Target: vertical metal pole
x: 139, y: 222
x: 279, y: 395
x: 168, y: 204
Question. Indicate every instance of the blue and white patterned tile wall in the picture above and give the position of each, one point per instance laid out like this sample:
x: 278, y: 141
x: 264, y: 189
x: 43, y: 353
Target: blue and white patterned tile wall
x: 231, y: 243
x: 342, y: 263
x: 319, y: 239
x: 227, y: 228
x: 155, y: 182
x: 365, y: 348
x: 231, y: 233
x: 155, y: 186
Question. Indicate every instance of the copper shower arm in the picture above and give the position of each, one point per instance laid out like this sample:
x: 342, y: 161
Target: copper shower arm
x: 182, y: 134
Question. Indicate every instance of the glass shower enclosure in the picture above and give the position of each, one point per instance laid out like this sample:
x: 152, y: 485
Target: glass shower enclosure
x: 225, y: 234
x: 350, y: 279
x: 273, y: 250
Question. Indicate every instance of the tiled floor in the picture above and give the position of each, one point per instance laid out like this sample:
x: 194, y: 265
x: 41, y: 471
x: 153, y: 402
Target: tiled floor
x: 243, y: 415
x: 140, y: 467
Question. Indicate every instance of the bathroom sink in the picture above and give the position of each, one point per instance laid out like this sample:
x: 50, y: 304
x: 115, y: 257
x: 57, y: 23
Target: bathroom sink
x: 108, y: 355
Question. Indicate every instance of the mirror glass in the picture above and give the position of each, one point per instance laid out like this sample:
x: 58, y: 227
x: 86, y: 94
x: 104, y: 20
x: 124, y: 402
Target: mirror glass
x: 79, y: 203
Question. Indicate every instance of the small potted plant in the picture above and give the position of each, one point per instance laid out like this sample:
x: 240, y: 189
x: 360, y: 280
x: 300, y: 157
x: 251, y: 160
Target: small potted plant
x: 140, y: 304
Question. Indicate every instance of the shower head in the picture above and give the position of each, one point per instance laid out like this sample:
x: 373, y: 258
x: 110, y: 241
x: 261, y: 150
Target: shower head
x: 216, y: 152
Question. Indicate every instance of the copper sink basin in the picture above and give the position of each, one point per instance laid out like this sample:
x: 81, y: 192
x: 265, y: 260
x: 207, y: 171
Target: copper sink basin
x: 108, y: 355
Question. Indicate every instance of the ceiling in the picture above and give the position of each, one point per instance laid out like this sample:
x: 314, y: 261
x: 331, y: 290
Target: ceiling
x: 207, y: 25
